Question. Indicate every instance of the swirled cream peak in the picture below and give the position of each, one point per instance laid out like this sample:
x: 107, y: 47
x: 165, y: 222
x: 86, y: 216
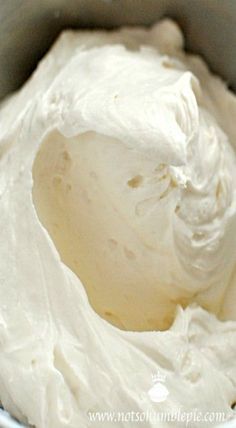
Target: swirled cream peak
x: 118, y: 177
x: 137, y: 185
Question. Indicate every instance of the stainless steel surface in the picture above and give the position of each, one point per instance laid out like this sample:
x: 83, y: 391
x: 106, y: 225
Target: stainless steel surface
x: 28, y: 27
x: 7, y: 422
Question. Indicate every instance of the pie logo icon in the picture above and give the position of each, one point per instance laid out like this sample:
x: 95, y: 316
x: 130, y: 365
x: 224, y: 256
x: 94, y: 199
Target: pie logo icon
x: 158, y: 392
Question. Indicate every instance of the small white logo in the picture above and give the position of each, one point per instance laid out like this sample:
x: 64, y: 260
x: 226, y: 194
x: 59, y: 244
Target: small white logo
x: 158, y: 392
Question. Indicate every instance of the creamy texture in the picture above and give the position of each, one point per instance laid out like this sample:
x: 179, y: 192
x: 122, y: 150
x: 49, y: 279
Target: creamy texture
x: 118, y: 165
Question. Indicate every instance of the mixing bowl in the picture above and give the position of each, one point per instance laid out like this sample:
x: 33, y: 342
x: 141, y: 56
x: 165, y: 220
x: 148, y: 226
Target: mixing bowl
x: 28, y: 28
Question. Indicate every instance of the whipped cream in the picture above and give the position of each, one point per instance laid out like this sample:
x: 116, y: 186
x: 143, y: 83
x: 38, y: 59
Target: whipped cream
x: 117, y: 196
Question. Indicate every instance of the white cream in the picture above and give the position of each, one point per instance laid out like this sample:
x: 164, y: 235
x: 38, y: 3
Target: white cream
x: 117, y: 163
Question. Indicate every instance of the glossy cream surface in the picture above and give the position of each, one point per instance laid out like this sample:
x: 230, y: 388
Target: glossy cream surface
x: 118, y: 209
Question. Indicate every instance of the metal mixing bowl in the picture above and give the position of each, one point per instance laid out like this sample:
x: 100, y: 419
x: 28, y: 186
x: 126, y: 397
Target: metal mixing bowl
x: 28, y: 28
